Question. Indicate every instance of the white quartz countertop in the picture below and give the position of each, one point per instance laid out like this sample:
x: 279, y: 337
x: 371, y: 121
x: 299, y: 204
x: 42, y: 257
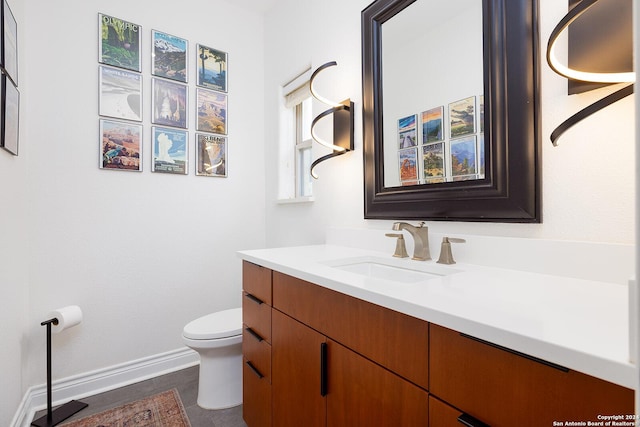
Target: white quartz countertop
x: 580, y: 324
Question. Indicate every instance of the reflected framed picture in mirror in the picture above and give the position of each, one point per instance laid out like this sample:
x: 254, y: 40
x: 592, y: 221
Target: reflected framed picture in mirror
x: 433, y: 125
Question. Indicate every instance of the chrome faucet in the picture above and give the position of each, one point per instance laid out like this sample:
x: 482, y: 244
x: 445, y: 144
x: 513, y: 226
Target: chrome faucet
x: 420, y: 235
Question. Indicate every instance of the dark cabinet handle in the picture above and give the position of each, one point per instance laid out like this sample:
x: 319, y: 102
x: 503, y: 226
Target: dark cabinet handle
x: 323, y: 369
x: 254, y: 334
x: 255, y: 299
x: 254, y: 369
x: 469, y: 421
x: 517, y: 353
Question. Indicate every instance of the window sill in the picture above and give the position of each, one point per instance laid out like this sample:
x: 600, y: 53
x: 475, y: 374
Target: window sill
x: 295, y: 200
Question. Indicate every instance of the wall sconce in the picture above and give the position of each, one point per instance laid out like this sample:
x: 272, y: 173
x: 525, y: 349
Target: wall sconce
x: 585, y: 76
x: 342, y: 113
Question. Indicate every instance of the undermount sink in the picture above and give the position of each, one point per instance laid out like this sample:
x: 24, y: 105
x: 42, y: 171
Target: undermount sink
x: 393, y: 269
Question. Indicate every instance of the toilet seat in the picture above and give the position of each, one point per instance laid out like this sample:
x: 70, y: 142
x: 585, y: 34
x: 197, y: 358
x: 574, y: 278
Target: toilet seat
x: 222, y: 324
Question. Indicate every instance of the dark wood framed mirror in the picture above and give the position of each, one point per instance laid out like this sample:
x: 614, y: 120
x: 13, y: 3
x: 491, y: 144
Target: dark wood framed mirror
x: 509, y: 188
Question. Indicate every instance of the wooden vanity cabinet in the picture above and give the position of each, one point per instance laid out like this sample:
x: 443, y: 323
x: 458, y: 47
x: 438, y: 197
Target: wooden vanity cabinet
x: 398, y: 342
x: 335, y: 357
x: 317, y: 357
x: 502, y: 388
x: 256, y: 344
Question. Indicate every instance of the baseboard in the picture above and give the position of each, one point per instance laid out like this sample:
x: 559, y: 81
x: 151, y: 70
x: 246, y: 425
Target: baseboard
x: 102, y: 380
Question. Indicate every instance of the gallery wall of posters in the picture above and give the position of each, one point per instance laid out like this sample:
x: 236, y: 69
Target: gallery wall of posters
x: 443, y: 143
x: 121, y: 98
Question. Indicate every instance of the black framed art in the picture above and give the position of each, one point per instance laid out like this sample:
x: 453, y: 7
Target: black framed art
x: 9, y: 54
x: 10, y: 115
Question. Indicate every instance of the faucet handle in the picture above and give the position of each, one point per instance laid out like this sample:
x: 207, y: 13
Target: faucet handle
x: 446, y: 256
x: 401, y: 248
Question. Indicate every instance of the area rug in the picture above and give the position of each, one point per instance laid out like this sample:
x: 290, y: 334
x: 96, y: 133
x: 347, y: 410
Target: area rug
x: 160, y: 410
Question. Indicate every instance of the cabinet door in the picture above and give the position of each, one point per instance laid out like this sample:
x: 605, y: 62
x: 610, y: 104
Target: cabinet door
x: 296, y: 374
x: 256, y: 397
x: 505, y: 389
x: 362, y: 393
x: 443, y: 415
x: 394, y: 340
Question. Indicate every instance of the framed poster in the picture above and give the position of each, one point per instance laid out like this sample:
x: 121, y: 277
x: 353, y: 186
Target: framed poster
x: 462, y: 117
x: 211, y: 68
x: 169, y: 103
x: 120, y: 145
x: 407, y: 132
x: 211, y: 155
x: 211, y: 111
x: 119, y: 42
x: 169, y: 56
x: 433, y: 162
x: 9, y: 48
x: 10, y: 115
x: 481, y: 111
x: 464, y: 158
x: 432, y: 121
x: 169, y: 150
x: 408, y: 166
x: 120, y: 94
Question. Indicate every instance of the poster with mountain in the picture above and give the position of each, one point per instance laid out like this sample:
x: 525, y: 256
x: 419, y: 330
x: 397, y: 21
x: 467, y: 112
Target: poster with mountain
x: 432, y: 125
x: 211, y: 111
x: 169, y: 56
x: 212, y: 68
x: 119, y: 42
x: 463, y: 158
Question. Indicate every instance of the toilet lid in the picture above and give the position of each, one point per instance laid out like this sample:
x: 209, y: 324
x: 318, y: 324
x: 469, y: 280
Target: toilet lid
x: 222, y: 324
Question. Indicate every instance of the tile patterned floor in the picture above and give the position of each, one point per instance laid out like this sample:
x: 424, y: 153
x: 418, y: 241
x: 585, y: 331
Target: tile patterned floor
x: 186, y: 381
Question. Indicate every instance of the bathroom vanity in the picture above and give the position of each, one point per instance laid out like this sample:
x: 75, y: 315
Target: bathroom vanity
x: 329, y: 344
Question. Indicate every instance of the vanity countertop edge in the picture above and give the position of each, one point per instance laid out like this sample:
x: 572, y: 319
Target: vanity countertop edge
x: 580, y: 324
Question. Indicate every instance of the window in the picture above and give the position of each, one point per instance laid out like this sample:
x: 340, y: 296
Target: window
x: 296, y: 183
x: 303, y: 149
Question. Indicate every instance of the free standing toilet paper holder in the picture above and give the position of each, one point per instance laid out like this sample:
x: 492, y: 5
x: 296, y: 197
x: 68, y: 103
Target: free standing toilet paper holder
x: 63, y: 412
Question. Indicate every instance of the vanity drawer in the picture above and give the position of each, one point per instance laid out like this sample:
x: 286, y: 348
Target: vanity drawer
x: 257, y: 352
x: 443, y: 415
x: 256, y: 281
x: 257, y: 316
x: 394, y: 340
x: 504, y: 388
x: 256, y: 398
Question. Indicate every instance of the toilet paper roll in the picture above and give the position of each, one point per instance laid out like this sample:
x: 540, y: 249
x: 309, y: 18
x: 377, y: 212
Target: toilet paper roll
x: 67, y: 317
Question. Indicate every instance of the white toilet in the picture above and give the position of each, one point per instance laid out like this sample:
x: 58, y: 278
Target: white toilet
x: 218, y: 339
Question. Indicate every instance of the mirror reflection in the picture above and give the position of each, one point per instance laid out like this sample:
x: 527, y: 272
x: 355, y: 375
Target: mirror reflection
x: 432, y: 86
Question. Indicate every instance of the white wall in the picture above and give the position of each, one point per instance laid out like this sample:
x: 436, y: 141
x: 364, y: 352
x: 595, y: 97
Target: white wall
x: 141, y: 253
x: 588, y: 181
x: 14, y: 232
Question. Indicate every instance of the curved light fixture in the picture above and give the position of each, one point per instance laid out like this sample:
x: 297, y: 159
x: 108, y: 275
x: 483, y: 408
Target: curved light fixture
x: 313, y: 90
x: 342, y: 113
x: 570, y: 73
